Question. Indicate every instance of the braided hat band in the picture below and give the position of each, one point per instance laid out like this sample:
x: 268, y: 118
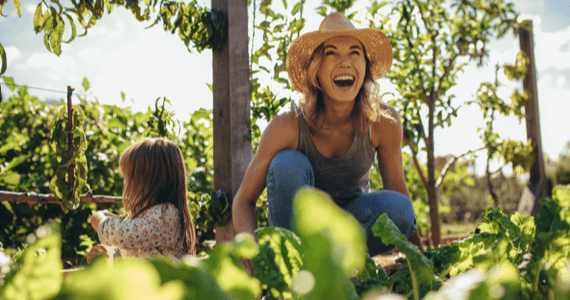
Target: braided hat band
x: 376, y: 44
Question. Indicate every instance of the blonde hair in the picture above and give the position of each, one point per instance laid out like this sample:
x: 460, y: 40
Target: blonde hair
x: 368, y: 106
x: 155, y: 173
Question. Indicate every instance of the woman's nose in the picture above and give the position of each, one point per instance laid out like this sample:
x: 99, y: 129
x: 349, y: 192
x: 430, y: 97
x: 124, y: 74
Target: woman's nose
x: 345, y: 62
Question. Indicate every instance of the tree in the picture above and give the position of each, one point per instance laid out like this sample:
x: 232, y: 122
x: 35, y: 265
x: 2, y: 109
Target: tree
x: 429, y: 39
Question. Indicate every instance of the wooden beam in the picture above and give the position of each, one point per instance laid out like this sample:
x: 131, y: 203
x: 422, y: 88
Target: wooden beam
x: 33, y: 198
x: 232, y: 96
x: 538, y: 184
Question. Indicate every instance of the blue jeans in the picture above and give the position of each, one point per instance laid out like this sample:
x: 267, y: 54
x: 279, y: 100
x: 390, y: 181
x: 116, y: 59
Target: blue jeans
x: 290, y: 170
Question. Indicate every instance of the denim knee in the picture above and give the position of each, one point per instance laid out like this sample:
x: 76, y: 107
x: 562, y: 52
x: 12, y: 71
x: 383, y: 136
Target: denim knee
x: 288, y: 171
x: 367, y: 208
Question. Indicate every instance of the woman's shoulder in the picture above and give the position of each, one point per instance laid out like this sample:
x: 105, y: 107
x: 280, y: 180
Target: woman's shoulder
x: 387, y: 126
x: 288, y: 115
x: 284, y: 128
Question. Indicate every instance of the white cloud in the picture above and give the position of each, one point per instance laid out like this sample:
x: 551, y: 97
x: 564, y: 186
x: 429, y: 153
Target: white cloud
x: 560, y: 82
x: 30, y: 8
x: 120, y: 24
x: 12, y: 54
x: 62, y: 63
x: 91, y: 55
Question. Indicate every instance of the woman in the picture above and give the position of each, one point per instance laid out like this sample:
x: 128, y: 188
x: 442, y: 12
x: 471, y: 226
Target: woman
x: 330, y: 139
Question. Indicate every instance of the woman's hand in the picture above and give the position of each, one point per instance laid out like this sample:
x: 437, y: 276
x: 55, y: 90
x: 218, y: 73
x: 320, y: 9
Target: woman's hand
x: 96, y: 218
x: 94, y: 252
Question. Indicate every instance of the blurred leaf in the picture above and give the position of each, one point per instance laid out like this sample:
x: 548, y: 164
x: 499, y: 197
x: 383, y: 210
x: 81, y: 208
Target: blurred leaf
x: 125, y: 279
x: 4, y: 62
x: 226, y: 269
x: 39, y: 275
x: 332, y: 238
x: 86, y: 84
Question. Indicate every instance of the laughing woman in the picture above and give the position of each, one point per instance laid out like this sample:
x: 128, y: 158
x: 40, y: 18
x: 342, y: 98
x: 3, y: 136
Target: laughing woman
x: 331, y: 138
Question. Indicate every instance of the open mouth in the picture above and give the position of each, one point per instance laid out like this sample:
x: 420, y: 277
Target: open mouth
x: 344, y: 81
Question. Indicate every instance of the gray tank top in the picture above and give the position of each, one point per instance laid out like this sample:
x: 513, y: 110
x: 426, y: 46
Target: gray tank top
x: 344, y: 178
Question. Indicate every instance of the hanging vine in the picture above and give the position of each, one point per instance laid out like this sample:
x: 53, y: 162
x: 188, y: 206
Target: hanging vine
x: 68, y: 142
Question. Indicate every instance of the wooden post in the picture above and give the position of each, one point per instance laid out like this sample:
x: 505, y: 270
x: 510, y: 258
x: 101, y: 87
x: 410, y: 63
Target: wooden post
x: 232, y: 96
x: 71, y: 167
x: 538, y: 183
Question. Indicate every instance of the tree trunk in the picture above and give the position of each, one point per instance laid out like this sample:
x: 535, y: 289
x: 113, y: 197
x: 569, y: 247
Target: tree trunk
x: 538, y: 183
x: 431, y: 188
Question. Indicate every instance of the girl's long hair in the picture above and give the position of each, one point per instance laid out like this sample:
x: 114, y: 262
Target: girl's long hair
x: 155, y: 173
x: 368, y: 106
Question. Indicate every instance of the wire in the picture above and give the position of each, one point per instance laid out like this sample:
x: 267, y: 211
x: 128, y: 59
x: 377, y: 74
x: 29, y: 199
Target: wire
x: 42, y: 89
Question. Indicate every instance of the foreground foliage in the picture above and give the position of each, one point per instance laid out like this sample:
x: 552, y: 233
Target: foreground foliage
x: 507, y: 257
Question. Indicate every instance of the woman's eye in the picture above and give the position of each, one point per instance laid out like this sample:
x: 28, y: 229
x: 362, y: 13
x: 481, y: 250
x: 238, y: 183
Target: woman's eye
x: 355, y: 53
x: 329, y: 53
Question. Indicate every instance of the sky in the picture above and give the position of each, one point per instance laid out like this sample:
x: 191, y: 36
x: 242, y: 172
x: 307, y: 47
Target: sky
x: 119, y: 55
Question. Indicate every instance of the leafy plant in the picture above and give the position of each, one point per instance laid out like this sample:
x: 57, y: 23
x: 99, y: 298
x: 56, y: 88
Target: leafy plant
x: 64, y: 185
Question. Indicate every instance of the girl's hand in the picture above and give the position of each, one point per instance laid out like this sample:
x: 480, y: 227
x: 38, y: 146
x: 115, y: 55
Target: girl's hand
x: 95, y: 251
x: 108, y: 214
x: 96, y: 218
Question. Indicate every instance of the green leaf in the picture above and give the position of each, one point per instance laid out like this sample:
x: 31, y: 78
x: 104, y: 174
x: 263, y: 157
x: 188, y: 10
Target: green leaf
x: 193, y: 273
x: 230, y: 276
x: 9, y: 81
x: 345, y: 232
x: 11, y: 178
x: 39, y: 275
x: 284, y: 253
x: 527, y: 228
x: 421, y: 267
x: 86, y: 85
x: 4, y: 62
x: 73, y: 29
x: 297, y: 8
x: 500, y: 282
x: 331, y: 238
x: 125, y: 279
x: 38, y: 18
x: 16, y: 161
x: 469, y: 181
x: 18, y: 6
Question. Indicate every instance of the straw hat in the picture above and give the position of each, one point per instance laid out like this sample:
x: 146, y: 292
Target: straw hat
x: 378, y: 48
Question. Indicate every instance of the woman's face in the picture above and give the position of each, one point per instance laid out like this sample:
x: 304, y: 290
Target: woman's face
x: 343, y: 68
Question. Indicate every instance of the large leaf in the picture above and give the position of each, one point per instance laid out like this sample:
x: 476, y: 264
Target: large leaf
x: 198, y: 281
x: 422, y: 267
x: 125, y: 279
x: 287, y: 247
x: 4, y: 60
x: 224, y: 265
x: 39, y: 275
x: 334, y: 246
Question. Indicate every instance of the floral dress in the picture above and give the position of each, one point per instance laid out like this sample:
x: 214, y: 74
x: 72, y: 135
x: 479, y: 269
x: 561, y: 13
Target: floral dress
x: 154, y: 232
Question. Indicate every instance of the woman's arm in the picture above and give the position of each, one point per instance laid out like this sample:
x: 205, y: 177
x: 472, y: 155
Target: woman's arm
x: 281, y: 133
x: 387, y: 135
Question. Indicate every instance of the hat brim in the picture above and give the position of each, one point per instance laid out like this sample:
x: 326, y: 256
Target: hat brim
x: 376, y: 44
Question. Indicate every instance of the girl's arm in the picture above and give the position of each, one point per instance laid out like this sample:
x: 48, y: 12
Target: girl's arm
x: 146, y: 231
x: 387, y: 136
x: 281, y: 133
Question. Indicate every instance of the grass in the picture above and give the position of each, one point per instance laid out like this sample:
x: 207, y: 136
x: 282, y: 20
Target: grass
x: 458, y: 228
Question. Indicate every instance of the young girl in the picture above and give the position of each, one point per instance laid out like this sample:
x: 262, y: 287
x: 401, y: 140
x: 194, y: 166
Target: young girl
x: 157, y: 221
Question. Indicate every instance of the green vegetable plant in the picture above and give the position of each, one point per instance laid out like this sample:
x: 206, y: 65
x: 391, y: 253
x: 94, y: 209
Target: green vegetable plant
x: 323, y: 257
